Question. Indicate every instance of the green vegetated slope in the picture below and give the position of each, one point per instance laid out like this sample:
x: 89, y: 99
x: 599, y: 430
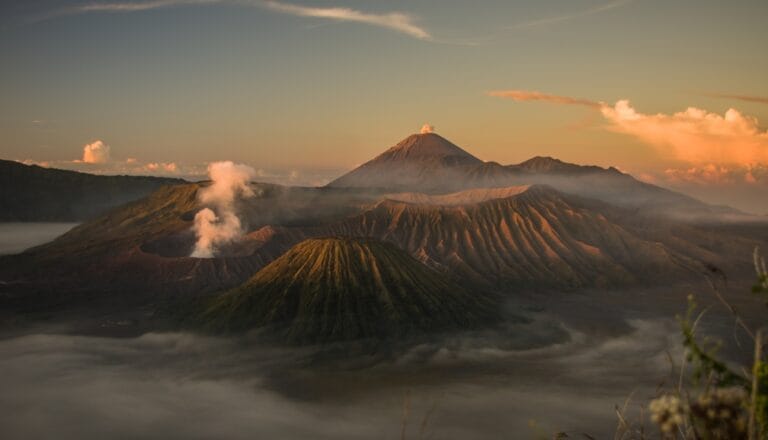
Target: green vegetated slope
x: 332, y: 289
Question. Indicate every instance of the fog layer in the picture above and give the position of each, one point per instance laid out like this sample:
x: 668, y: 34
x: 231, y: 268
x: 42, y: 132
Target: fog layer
x: 16, y: 237
x: 183, y: 386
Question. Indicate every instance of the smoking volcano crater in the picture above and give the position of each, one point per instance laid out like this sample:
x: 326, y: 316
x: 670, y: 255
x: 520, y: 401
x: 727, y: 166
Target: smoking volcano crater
x: 182, y: 245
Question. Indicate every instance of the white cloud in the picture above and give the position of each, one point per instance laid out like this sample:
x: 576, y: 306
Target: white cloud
x: 97, y: 159
x: 567, y: 17
x: 396, y: 21
x: 134, y: 6
x: 96, y: 152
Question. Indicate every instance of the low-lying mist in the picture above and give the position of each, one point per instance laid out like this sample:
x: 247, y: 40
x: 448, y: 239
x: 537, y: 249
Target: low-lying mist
x: 17, y: 237
x: 178, y: 385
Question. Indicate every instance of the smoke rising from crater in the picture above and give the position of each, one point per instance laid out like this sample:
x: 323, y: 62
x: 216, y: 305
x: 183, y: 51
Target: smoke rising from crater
x: 218, y: 223
x: 426, y: 128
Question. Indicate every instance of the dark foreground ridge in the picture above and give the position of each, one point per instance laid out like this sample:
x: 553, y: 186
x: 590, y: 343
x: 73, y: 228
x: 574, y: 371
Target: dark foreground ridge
x: 338, y: 289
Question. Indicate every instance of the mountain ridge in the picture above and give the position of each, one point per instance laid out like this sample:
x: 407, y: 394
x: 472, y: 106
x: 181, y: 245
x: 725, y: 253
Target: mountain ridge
x: 33, y: 193
x: 425, y: 169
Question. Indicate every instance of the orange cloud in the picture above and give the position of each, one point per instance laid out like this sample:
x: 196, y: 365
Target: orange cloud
x: 169, y: 167
x: 96, y: 152
x: 526, y: 95
x: 715, y: 174
x: 694, y: 135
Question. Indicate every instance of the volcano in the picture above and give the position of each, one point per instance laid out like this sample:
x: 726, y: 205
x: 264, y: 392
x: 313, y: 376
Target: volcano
x: 557, y: 225
x: 339, y: 289
x: 421, y: 161
x: 428, y: 163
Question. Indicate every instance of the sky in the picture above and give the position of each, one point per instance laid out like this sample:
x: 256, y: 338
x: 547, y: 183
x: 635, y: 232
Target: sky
x: 674, y: 93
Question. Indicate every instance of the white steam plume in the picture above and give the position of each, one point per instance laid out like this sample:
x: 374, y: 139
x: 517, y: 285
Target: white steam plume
x: 219, y: 224
x: 426, y: 128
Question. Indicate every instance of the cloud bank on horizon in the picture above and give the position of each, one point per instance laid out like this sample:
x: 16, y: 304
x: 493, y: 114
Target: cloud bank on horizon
x: 97, y: 158
x: 712, y: 148
x: 695, y: 135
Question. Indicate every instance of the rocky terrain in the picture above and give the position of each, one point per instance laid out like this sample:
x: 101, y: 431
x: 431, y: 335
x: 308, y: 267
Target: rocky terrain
x: 556, y: 226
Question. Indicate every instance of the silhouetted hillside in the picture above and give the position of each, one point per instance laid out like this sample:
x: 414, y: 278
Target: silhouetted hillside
x: 32, y: 193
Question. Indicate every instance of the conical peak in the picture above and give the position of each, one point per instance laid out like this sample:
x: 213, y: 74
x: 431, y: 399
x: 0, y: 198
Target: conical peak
x: 426, y: 146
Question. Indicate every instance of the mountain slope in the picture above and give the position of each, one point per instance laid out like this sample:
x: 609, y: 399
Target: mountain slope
x: 33, y: 193
x: 535, y: 238
x: 142, y: 249
x: 504, y: 239
x: 325, y: 290
x: 542, y: 164
x: 419, y: 161
x: 428, y: 163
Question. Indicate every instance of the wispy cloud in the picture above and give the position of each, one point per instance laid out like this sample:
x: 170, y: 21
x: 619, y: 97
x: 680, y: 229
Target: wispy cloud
x: 745, y: 98
x: 567, y: 17
x: 397, y: 21
x: 527, y: 95
x: 129, y: 6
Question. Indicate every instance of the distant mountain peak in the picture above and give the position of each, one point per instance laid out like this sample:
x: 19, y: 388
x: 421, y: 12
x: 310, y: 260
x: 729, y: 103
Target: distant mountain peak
x: 418, y: 161
x: 546, y: 164
x: 426, y: 147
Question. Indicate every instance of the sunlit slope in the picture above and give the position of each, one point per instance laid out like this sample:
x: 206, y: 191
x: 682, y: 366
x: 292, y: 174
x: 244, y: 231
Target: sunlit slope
x: 538, y: 237
x: 499, y: 238
x: 420, y: 161
x: 333, y: 289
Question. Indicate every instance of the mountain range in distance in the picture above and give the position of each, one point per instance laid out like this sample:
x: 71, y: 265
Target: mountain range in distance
x: 424, y: 218
x: 30, y: 193
x: 429, y: 163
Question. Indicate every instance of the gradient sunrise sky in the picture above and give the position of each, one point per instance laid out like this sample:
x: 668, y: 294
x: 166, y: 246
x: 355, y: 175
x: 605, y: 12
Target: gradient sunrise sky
x: 304, y: 90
